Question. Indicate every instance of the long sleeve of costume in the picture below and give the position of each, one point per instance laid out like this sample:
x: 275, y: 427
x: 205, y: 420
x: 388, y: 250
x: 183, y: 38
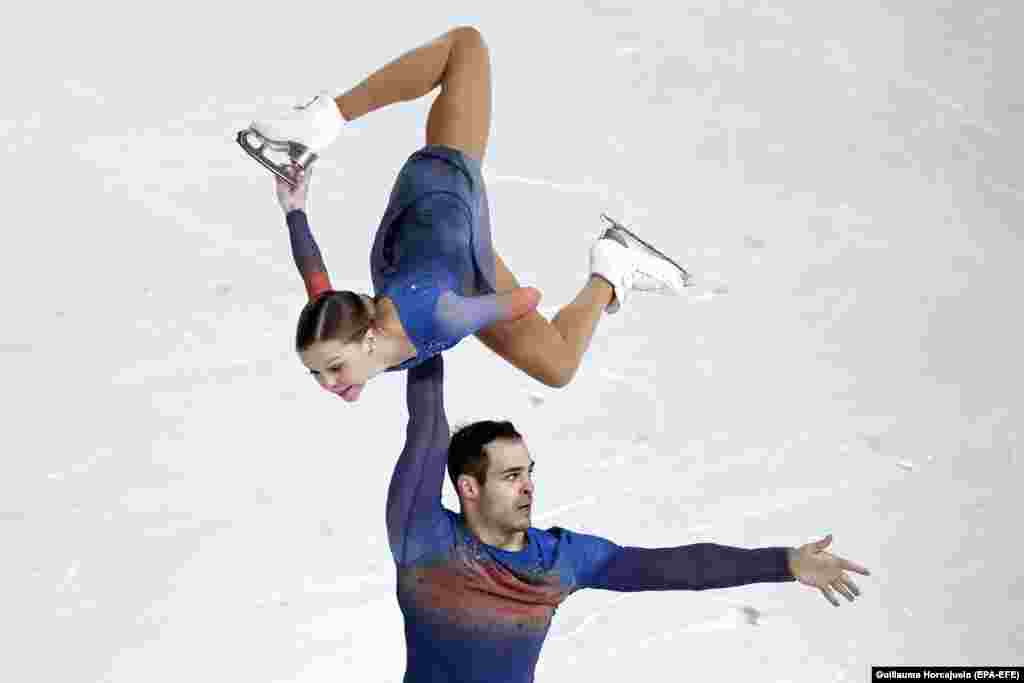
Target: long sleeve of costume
x: 700, y: 566
x: 437, y: 318
x: 306, y: 254
x: 414, y: 513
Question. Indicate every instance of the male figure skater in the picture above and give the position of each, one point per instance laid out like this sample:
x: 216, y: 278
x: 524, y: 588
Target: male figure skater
x: 478, y: 589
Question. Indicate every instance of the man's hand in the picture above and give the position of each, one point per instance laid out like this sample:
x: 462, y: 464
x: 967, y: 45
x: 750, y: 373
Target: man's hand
x: 293, y: 199
x: 812, y: 566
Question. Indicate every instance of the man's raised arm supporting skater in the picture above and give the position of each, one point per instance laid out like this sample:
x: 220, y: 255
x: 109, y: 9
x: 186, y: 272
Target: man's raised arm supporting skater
x: 478, y: 589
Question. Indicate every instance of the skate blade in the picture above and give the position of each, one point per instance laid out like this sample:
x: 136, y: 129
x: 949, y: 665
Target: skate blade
x: 615, y: 224
x: 297, y: 153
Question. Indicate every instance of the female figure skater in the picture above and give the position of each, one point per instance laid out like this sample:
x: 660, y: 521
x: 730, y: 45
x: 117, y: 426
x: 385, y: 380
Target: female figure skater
x: 436, y: 275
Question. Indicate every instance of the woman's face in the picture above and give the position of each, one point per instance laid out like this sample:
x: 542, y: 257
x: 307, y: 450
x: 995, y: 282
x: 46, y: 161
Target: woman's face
x: 342, y: 369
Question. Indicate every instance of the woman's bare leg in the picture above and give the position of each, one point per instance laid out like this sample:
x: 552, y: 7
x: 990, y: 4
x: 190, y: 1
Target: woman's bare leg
x: 406, y: 78
x: 550, y: 352
x: 459, y: 62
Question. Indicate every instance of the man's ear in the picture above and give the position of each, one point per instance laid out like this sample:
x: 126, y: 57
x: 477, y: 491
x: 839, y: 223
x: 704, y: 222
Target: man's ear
x: 468, y: 487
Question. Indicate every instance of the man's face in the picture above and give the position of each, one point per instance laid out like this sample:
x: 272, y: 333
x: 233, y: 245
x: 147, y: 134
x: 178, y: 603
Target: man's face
x: 506, y: 500
x: 342, y: 369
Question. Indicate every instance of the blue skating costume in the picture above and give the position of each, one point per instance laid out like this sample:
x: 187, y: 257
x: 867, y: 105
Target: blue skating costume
x: 479, y: 614
x: 432, y: 254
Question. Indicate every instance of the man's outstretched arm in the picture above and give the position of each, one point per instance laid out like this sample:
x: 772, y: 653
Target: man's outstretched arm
x: 603, y: 564
x: 699, y: 566
x: 414, y: 512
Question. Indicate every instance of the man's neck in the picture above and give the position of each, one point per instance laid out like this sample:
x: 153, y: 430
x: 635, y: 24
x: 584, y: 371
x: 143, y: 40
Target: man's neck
x: 512, y: 541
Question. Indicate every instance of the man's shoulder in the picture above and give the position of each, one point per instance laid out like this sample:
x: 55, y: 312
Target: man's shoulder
x: 432, y: 538
x: 573, y: 542
x: 555, y: 533
x: 553, y: 537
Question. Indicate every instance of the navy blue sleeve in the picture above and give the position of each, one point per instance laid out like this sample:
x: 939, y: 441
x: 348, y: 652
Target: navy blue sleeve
x: 436, y: 318
x: 460, y: 316
x: 415, y: 518
x: 306, y: 253
x: 435, y: 254
x: 699, y: 566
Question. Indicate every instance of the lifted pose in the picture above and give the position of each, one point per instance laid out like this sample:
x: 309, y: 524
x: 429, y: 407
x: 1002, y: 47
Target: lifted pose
x: 436, y: 276
x: 478, y: 589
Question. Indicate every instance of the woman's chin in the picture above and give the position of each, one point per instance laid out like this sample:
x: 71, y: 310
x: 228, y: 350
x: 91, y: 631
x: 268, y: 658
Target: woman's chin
x: 351, y: 394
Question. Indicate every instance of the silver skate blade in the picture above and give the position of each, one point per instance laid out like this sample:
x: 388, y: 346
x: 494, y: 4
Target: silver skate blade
x: 618, y: 226
x: 299, y: 154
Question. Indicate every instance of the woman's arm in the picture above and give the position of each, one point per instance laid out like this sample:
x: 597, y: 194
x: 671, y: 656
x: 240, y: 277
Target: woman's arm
x: 304, y: 249
x: 306, y: 254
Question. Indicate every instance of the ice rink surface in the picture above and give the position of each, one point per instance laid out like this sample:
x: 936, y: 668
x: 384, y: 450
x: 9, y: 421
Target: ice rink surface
x: 180, y: 502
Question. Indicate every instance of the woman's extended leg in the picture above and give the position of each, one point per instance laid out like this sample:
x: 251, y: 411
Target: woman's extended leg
x: 459, y: 62
x: 550, y: 352
x: 460, y: 117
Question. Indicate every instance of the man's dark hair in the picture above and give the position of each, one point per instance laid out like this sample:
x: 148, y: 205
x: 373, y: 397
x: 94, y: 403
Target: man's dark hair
x: 466, y: 453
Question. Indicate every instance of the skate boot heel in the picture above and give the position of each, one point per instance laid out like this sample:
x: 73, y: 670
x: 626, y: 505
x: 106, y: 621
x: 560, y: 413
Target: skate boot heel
x: 296, y: 137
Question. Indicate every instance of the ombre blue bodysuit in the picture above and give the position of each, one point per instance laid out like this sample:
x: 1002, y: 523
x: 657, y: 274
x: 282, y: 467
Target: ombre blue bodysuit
x: 432, y: 253
x: 475, y: 613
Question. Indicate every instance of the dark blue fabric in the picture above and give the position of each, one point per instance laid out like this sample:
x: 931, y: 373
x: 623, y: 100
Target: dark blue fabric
x: 475, y: 613
x: 435, y: 237
x: 306, y: 254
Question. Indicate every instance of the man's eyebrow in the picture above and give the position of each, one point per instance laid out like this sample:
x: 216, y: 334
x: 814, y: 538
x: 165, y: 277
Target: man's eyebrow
x: 518, y: 468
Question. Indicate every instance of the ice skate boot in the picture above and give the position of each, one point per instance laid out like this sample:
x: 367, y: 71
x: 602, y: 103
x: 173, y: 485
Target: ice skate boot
x: 299, y: 135
x: 628, y: 238
x: 631, y: 265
